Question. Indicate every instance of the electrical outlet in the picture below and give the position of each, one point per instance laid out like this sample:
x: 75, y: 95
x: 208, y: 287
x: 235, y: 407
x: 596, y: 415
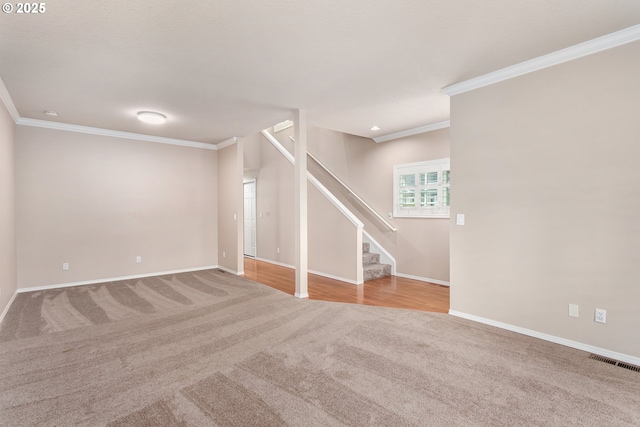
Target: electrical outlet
x: 138, y: 259
x: 65, y: 266
x: 277, y: 250
x: 601, y: 315
x: 574, y: 310
x: 224, y: 254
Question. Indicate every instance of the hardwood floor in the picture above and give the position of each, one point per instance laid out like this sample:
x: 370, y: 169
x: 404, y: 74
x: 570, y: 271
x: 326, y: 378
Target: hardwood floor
x: 386, y: 292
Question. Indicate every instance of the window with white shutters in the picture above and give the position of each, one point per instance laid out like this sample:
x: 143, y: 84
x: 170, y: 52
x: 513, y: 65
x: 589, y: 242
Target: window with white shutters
x: 422, y: 189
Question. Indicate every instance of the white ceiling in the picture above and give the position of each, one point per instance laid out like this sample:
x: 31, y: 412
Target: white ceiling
x: 220, y: 69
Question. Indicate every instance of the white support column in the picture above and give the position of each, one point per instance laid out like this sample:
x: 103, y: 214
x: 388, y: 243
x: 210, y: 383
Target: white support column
x: 239, y: 184
x: 300, y: 203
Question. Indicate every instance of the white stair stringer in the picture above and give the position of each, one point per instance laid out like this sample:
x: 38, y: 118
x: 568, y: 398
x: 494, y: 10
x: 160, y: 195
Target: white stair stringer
x: 332, y: 198
x: 385, y: 256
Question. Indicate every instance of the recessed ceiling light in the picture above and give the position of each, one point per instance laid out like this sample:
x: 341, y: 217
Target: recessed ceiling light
x: 50, y: 113
x: 375, y: 128
x: 151, y: 117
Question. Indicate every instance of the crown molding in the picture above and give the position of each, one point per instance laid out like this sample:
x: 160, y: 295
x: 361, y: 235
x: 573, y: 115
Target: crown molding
x: 226, y: 143
x: 8, y: 102
x: 414, y: 131
x: 112, y: 133
x: 590, y: 47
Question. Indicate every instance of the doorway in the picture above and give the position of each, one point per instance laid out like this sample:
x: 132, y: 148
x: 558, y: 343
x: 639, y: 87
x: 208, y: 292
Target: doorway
x: 250, y: 218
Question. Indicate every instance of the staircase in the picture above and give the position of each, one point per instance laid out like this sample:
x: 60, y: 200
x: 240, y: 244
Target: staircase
x: 371, y: 264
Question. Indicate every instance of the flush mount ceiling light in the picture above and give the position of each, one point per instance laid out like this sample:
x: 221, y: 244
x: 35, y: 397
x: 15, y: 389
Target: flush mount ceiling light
x: 375, y: 128
x: 151, y: 117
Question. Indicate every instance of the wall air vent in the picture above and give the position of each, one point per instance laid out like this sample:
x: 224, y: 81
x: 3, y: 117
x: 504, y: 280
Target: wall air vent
x: 615, y: 362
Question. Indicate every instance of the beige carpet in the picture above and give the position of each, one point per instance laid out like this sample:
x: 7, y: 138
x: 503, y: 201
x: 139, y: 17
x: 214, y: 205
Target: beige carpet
x: 210, y: 348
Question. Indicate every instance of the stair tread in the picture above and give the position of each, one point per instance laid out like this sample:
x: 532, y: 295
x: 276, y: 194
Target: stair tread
x: 370, y: 258
x: 376, y: 271
x: 375, y: 266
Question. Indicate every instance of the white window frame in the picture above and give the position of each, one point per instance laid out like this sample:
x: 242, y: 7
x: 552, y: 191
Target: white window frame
x: 417, y: 211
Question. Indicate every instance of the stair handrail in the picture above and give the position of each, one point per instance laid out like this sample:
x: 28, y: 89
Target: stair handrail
x: 323, y: 190
x: 353, y: 193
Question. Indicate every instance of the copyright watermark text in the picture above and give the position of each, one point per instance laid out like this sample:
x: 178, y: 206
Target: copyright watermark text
x: 30, y: 8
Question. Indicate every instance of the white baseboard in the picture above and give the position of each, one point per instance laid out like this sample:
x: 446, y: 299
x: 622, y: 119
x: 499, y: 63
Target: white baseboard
x: 317, y: 273
x: 281, y: 264
x: 6, y: 309
x: 385, y: 256
x: 331, y: 276
x: 551, y: 338
x: 423, y: 279
x: 114, y: 279
x: 228, y: 270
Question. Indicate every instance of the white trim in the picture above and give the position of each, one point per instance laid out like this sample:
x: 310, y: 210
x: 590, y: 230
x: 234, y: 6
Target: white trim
x: 423, y: 163
x: 329, y: 195
x: 224, y: 144
x: 342, y: 208
x: 599, y: 44
x: 551, y: 338
x: 317, y: 273
x: 240, y: 206
x: 359, y: 258
x: 439, y: 210
x: 8, y: 101
x: 228, y: 270
x: 112, y: 133
x: 423, y: 279
x: 115, y: 279
x: 385, y: 256
x: 353, y: 193
x: 6, y: 309
x: 331, y: 276
x: 410, y: 132
x: 279, y: 146
x: 303, y: 295
x: 282, y: 126
x: 281, y: 264
x: 253, y: 181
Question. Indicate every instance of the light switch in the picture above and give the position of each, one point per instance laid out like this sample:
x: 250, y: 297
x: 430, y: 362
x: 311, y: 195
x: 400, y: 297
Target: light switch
x: 460, y: 219
x: 574, y: 310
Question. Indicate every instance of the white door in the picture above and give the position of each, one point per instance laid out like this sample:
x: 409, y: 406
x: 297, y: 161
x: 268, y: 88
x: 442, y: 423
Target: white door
x: 250, y: 218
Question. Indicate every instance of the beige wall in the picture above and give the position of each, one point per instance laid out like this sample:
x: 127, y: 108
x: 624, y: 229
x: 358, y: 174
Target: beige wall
x: 421, y: 245
x: 98, y: 202
x: 8, y: 274
x: 229, y: 195
x: 332, y: 237
x: 545, y: 168
x: 274, y: 202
